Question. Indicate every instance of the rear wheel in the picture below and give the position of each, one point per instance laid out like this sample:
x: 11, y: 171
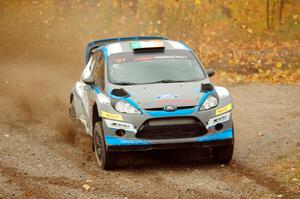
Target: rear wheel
x: 105, y: 159
x: 77, y: 125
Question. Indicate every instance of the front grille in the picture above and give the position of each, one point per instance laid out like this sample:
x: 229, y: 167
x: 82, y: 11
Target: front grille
x: 171, y: 128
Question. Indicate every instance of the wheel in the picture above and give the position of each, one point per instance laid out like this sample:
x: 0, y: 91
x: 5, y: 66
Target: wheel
x: 105, y: 159
x: 223, y: 154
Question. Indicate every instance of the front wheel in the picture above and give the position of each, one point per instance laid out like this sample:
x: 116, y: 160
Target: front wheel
x: 105, y: 159
x: 223, y: 154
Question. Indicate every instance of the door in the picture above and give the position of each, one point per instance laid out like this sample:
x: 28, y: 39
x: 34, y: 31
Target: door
x: 98, y: 75
x: 82, y: 95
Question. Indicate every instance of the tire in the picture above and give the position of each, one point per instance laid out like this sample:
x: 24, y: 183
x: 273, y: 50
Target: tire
x: 223, y: 154
x: 105, y: 159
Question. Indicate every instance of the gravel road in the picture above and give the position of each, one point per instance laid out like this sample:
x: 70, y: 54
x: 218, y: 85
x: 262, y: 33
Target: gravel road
x: 41, y: 158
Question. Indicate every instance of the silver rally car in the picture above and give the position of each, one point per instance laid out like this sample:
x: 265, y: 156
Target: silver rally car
x: 144, y: 93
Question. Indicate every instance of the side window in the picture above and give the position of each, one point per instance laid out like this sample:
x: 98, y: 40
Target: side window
x: 99, y: 72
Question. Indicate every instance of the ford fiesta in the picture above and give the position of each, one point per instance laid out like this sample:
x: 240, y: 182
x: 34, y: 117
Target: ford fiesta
x: 144, y: 93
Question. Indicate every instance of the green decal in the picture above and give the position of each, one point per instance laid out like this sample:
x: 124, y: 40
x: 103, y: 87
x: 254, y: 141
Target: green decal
x: 135, y: 45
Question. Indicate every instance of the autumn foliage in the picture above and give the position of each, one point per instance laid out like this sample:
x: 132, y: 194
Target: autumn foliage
x: 232, y: 36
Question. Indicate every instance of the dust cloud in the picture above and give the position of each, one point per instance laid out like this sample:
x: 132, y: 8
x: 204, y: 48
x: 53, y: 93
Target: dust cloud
x: 40, y: 60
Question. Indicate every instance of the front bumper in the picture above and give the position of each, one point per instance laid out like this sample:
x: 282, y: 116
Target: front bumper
x: 214, y: 139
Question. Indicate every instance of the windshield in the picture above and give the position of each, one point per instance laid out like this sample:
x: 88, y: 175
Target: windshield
x: 161, y: 67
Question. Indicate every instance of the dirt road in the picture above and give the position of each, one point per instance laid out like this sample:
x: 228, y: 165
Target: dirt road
x: 41, y: 158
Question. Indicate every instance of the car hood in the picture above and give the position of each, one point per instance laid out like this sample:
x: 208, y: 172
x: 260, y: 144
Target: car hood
x: 155, y: 96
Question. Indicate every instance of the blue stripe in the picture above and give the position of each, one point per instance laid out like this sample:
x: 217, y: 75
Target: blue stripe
x: 96, y: 89
x: 181, y: 112
x: 227, y: 134
x: 204, y: 98
x: 117, y: 141
x: 104, y: 50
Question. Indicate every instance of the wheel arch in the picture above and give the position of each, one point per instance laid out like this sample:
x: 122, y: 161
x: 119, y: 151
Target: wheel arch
x: 96, y: 116
x: 71, y: 98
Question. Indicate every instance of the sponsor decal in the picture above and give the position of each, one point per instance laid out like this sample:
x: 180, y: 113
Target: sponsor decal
x: 142, y: 58
x: 111, y: 116
x: 115, y: 48
x: 121, y: 60
x: 171, y: 57
x: 216, y: 120
x: 166, y: 96
x: 224, y: 109
x: 120, y: 125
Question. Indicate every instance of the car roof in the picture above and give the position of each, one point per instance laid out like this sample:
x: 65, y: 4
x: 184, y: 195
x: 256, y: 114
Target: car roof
x: 124, y: 46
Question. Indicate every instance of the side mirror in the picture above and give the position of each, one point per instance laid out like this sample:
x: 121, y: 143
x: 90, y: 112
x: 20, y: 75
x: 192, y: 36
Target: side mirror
x: 210, y: 72
x: 89, y: 80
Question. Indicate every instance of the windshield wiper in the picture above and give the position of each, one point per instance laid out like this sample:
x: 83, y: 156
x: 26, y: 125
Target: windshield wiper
x: 125, y: 83
x: 166, y: 81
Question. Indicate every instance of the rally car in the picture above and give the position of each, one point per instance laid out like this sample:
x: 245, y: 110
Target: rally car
x: 144, y: 93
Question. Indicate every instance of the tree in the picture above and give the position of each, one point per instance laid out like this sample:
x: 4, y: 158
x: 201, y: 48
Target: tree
x: 281, y: 7
x: 268, y: 14
x: 273, y: 6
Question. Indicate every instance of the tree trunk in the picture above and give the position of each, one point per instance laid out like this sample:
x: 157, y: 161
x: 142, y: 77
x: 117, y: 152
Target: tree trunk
x: 268, y: 14
x: 273, y: 13
x: 281, y: 6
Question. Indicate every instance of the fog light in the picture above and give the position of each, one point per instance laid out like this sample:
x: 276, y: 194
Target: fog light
x: 120, y: 132
x: 219, y: 127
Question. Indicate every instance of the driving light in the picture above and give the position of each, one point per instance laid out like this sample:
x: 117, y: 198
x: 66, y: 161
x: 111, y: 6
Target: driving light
x: 125, y: 107
x: 209, y: 103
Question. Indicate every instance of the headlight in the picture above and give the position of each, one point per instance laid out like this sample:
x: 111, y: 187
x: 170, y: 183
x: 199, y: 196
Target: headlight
x: 209, y: 103
x: 125, y: 107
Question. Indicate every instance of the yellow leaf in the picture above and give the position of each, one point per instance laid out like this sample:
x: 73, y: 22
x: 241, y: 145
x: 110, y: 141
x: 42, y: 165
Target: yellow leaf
x: 197, y: 2
x: 278, y: 65
x: 249, y: 31
x: 231, y: 62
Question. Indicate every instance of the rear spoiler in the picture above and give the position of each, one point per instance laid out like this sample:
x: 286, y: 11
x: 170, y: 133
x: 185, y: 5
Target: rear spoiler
x: 97, y: 43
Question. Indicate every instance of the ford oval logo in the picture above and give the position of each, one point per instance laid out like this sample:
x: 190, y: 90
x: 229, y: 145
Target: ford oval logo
x: 170, y: 108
